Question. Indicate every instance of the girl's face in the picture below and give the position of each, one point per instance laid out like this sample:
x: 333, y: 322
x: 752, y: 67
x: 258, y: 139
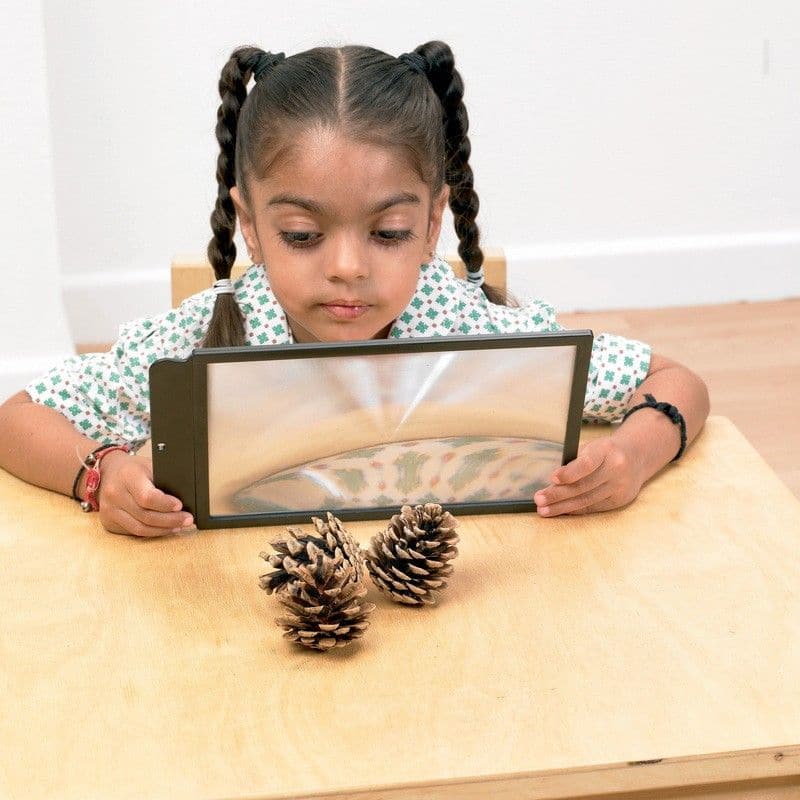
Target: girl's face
x: 342, y: 227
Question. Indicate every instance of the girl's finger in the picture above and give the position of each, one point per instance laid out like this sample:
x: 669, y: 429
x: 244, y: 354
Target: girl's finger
x: 585, y: 464
x: 157, y: 519
x: 555, y: 494
x: 147, y: 496
x: 609, y: 504
x: 126, y: 523
x: 578, y: 503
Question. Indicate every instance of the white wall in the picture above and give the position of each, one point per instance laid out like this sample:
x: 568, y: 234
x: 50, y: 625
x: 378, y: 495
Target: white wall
x: 626, y: 153
x: 33, y: 323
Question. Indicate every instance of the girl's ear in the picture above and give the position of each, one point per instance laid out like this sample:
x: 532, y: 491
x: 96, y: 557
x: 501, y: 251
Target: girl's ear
x: 437, y: 211
x: 247, y: 226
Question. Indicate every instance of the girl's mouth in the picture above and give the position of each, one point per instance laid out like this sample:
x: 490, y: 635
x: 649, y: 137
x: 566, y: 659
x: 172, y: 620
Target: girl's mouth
x: 346, y: 309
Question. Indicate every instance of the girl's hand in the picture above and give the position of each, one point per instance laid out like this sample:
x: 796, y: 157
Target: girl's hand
x: 130, y: 503
x: 602, y: 477
x: 608, y: 473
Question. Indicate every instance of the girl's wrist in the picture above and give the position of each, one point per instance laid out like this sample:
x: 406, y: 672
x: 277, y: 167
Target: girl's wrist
x: 650, y: 440
x: 81, y: 486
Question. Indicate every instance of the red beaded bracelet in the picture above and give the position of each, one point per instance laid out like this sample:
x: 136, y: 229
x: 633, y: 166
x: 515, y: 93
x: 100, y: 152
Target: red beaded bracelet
x: 92, y: 467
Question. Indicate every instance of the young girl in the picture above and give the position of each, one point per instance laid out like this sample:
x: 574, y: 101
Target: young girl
x: 339, y: 164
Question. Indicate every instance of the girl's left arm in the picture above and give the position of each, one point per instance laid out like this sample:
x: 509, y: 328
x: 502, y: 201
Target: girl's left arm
x: 609, y: 472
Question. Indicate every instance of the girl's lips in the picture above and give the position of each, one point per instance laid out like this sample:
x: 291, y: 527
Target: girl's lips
x: 344, y: 309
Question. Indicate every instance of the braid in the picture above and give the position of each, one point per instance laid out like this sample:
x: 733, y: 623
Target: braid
x: 464, y: 203
x: 226, y: 328
x: 446, y: 82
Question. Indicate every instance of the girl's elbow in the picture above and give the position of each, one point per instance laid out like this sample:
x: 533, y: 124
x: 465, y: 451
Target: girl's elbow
x: 705, y: 398
x: 9, y: 423
x: 18, y: 399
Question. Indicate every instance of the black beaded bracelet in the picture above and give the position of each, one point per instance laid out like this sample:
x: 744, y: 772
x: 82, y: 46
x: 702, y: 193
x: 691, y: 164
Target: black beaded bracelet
x: 670, y: 410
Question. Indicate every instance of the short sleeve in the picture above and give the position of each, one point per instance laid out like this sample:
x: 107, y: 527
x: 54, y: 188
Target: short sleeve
x: 616, y: 369
x: 106, y: 395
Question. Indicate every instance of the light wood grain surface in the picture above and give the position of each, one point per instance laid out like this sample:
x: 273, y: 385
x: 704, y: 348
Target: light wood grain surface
x: 563, y: 650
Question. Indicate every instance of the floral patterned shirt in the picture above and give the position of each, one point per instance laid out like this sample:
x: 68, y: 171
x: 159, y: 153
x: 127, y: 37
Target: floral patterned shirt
x: 106, y: 395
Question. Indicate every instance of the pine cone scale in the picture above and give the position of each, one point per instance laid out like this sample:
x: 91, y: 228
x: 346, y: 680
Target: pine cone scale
x: 400, y: 574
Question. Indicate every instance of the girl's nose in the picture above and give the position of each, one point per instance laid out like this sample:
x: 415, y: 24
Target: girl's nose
x: 346, y: 260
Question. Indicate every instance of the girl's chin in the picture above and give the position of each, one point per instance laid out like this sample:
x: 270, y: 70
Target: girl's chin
x: 351, y: 333
x: 329, y: 331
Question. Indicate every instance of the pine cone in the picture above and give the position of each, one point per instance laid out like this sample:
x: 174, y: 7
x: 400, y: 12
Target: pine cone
x: 320, y: 581
x: 410, y: 558
x: 297, y: 547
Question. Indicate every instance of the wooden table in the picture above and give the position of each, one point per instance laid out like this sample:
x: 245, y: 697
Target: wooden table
x: 656, y: 646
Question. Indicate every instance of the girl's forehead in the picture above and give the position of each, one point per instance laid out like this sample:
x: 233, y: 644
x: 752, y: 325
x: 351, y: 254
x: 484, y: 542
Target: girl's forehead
x: 336, y: 170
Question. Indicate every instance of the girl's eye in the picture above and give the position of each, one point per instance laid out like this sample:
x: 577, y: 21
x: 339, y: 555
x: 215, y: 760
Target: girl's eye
x: 393, y: 237
x: 299, y: 238
x: 386, y: 238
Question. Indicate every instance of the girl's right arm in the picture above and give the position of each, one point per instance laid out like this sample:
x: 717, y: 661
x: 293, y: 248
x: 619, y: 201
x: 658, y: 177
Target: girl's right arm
x: 41, y: 446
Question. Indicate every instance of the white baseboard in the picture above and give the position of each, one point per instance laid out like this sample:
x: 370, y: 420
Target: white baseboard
x: 584, y: 276
x: 658, y: 272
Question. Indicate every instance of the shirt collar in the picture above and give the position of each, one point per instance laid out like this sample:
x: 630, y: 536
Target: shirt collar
x: 442, y: 305
x: 265, y: 319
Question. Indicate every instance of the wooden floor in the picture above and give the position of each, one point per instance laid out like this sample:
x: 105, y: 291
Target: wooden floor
x: 748, y: 354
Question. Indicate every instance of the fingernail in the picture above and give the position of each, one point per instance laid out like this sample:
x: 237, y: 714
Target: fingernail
x: 544, y: 510
x: 185, y: 529
x: 539, y: 498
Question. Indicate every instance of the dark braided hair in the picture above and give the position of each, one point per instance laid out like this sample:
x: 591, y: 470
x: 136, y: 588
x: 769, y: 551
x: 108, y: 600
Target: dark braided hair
x: 227, y: 322
x: 446, y: 82
x: 366, y: 94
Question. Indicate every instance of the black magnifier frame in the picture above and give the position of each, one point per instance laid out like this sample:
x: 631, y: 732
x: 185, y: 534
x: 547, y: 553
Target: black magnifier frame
x: 180, y: 403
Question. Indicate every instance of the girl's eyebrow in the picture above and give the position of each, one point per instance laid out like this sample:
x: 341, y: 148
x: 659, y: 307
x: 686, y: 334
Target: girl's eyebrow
x: 315, y: 208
